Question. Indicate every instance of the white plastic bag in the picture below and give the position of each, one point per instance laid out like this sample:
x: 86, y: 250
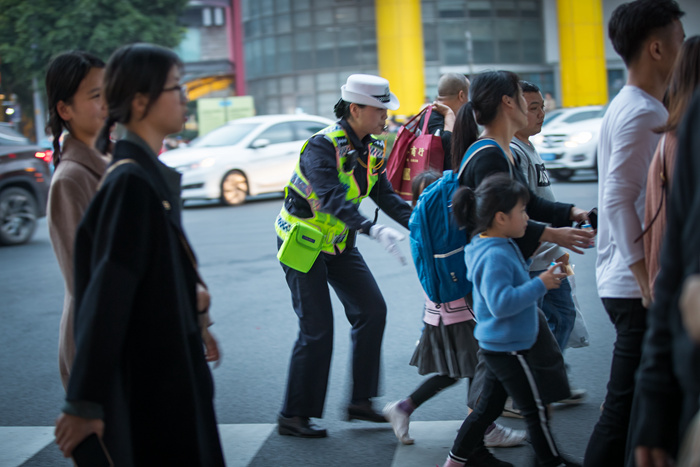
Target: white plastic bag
x: 579, y: 335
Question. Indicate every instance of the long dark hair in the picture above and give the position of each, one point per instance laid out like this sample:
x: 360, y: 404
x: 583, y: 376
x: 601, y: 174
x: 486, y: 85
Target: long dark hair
x: 475, y: 209
x: 485, y: 95
x: 685, y: 79
x: 134, y: 69
x: 66, y: 72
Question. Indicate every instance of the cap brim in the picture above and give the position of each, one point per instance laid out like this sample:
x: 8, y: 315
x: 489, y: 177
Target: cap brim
x: 350, y: 96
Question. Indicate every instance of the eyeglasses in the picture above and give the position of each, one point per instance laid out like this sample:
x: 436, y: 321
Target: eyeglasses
x: 178, y: 87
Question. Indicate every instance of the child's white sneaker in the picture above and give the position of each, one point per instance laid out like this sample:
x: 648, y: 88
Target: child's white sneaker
x: 399, y: 421
x: 504, y: 437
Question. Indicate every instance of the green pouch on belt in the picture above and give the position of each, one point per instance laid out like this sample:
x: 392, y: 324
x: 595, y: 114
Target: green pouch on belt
x: 301, y: 247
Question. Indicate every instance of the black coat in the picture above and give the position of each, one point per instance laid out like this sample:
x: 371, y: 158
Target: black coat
x: 668, y: 381
x: 490, y: 161
x: 139, y: 351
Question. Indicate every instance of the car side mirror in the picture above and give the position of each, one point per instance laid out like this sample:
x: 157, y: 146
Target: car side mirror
x: 260, y: 143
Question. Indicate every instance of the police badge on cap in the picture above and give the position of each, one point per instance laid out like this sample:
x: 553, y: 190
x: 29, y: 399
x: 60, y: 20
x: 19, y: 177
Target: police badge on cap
x: 369, y: 90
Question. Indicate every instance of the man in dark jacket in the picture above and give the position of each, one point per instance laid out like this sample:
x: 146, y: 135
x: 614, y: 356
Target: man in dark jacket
x: 668, y: 381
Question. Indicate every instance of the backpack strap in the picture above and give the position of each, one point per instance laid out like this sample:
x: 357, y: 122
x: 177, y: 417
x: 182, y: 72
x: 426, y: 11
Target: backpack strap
x: 478, y: 146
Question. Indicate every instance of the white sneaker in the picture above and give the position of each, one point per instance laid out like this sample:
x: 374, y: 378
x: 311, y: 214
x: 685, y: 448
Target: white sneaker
x: 504, y: 437
x: 399, y: 421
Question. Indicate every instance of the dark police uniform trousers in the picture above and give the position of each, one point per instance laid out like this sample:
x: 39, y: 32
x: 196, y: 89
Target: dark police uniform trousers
x: 365, y: 309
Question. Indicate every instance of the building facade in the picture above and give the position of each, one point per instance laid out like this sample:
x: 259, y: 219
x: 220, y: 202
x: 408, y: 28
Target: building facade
x: 299, y: 52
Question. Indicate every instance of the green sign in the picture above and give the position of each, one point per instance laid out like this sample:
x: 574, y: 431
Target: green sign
x: 215, y: 111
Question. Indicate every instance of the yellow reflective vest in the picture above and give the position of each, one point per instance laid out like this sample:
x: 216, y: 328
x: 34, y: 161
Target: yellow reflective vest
x: 334, y: 231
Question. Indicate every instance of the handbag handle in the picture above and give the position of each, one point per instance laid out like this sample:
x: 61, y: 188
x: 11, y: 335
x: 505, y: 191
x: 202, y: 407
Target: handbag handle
x: 424, y: 131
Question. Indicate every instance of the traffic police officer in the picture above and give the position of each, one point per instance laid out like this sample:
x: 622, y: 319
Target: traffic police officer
x: 338, y: 167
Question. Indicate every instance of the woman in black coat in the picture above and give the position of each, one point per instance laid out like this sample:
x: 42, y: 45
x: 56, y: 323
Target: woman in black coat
x: 140, y: 378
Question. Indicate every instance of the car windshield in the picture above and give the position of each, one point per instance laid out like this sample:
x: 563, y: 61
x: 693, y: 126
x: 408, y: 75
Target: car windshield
x: 226, y: 135
x: 550, y: 115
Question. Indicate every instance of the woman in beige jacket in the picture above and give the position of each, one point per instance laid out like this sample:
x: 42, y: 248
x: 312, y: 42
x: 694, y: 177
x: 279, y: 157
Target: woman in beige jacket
x: 74, y: 89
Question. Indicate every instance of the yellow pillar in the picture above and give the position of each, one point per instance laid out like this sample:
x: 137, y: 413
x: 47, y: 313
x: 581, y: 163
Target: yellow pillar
x: 582, y: 52
x: 400, y: 51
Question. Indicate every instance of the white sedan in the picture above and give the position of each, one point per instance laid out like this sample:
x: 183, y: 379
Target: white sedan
x: 245, y: 157
x: 568, y: 147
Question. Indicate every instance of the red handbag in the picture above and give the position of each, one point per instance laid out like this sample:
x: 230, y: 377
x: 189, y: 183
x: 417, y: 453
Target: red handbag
x: 414, y: 152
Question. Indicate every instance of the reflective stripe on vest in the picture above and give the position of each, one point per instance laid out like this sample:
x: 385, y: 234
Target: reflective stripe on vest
x: 334, y: 231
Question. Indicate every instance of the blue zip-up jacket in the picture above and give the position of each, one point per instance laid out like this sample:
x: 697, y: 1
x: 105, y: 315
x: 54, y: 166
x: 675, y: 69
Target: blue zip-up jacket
x: 505, y: 298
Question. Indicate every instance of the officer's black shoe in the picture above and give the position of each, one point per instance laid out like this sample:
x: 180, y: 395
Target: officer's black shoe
x: 299, y: 426
x: 364, y: 411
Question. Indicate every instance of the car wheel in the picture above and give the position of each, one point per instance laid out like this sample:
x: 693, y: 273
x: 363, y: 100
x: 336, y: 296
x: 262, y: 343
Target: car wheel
x: 18, y: 213
x: 234, y: 188
x: 562, y: 174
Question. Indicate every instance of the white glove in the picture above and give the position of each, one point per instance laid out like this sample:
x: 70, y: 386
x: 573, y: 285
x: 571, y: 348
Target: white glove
x: 389, y: 238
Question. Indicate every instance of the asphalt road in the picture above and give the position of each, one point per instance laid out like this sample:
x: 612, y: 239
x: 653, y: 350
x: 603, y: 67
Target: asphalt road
x: 256, y: 327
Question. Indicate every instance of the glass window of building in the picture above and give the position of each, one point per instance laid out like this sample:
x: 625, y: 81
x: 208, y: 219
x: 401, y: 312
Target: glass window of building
x: 301, y: 4
x: 346, y: 14
x: 305, y: 102
x: 507, y: 34
x: 284, y: 53
x: 282, y: 6
x: 483, y: 44
x: 479, y: 9
x: 267, y: 7
x: 323, y: 17
x: 284, y: 23
x: 325, y: 49
x: 303, y: 55
x: 506, y: 8
x: 532, y: 41
x: 348, y: 48
x: 451, y: 9
x: 305, y: 84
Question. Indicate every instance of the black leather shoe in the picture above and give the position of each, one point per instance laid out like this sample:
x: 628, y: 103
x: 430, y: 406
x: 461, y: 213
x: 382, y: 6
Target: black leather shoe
x: 299, y: 426
x: 365, y: 412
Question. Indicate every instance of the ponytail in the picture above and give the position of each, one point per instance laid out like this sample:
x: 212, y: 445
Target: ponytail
x: 464, y: 134
x: 55, y: 126
x: 464, y: 208
x: 103, y: 140
x: 475, y: 209
x: 342, y: 108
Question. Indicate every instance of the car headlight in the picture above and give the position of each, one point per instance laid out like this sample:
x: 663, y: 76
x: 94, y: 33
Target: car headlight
x: 578, y: 139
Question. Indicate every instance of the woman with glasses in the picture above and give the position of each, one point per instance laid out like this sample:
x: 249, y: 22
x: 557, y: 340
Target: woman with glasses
x: 140, y: 378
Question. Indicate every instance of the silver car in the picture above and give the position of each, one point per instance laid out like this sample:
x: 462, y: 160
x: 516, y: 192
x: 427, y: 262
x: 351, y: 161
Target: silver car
x: 245, y: 157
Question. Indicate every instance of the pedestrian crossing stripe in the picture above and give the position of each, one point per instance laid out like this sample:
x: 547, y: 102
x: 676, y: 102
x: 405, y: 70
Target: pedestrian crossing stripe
x: 241, y: 443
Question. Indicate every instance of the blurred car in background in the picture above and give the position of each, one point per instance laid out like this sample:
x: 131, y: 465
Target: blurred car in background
x: 245, y: 157
x: 558, y: 117
x: 570, y: 142
x: 24, y: 186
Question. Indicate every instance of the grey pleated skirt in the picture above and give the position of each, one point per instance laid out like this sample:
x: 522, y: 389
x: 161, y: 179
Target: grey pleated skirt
x: 447, y: 350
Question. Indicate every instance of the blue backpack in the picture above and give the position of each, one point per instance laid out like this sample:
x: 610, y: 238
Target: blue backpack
x: 437, y: 241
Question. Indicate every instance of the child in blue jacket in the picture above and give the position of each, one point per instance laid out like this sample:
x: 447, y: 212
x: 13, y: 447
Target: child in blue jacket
x: 505, y: 303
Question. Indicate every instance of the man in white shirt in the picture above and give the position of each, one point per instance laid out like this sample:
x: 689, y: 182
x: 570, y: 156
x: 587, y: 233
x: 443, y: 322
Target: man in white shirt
x: 647, y: 34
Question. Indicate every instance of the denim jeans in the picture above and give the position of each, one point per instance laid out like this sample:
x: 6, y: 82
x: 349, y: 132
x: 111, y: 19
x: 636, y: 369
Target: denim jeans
x: 558, y: 307
x: 607, y: 444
